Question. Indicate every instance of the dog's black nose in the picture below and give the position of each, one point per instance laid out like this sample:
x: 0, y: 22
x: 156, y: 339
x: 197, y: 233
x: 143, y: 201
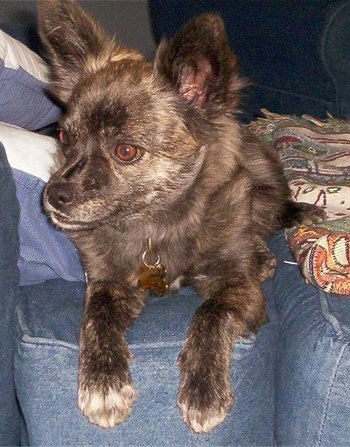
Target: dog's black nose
x: 59, y: 195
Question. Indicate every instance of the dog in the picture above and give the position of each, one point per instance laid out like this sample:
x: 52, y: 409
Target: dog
x: 160, y: 185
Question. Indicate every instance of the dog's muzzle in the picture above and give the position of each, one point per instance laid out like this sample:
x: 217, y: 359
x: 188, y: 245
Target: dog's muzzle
x: 59, y: 196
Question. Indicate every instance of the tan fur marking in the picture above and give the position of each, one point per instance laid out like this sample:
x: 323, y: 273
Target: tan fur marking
x: 121, y: 56
x: 94, y: 63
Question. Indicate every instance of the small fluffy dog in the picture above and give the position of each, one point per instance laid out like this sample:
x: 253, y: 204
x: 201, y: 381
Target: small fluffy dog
x: 160, y: 184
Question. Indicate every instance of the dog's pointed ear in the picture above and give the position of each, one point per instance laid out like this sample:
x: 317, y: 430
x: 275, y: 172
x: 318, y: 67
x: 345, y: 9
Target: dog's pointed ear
x: 75, y: 44
x: 199, y: 63
x: 69, y: 37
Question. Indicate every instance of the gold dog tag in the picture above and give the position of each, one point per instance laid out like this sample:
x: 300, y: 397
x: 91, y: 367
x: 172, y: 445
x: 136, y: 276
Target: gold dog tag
x: 152, y: 277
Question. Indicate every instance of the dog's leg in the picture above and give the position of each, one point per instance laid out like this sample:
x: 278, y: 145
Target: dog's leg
x: 297, y: 213
x: 106, y: 393
x: 205, y: 394
x: 265, y: 259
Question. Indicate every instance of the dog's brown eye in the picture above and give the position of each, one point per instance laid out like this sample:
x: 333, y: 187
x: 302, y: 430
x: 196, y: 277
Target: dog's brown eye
x: 127, y: 153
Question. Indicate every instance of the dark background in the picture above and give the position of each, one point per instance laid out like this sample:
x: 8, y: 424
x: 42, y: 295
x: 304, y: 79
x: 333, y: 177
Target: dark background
x: 128, y: 20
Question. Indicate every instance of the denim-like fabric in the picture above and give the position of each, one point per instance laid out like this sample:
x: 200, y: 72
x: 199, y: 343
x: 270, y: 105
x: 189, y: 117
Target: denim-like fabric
x: 313, y: 364
x: 46, y: 374
x: 9, y: 288
x: 309, y: 329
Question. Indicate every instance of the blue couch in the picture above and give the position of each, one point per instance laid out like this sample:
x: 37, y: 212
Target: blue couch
x: 294, y: 52
x: 291, y: 381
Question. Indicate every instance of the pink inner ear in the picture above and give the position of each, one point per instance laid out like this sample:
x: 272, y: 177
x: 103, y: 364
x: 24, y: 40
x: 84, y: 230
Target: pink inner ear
x: 194, y: 85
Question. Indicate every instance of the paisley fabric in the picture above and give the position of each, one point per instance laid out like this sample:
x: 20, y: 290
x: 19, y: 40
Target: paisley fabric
x: 316, y: 160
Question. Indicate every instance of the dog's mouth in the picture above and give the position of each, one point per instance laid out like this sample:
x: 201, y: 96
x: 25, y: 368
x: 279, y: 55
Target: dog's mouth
x: 65, y: 222
x: 69, y: 215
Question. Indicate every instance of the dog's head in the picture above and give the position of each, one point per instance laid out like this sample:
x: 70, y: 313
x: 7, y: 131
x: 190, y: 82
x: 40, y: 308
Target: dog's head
x: 134, y: 134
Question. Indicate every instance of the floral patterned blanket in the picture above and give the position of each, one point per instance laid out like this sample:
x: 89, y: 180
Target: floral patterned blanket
x: 316, y: 159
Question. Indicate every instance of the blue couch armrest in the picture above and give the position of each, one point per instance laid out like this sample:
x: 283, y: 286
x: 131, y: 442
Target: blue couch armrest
x: 46, y: 371
x: 291, y: 51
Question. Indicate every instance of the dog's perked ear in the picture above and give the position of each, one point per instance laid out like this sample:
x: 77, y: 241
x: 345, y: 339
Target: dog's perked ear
x: 199, y: 63
x: 75, y: 44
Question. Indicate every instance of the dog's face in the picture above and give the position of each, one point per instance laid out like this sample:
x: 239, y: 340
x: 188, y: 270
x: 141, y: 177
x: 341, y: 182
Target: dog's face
x: 126, y: 150
x: 134, y: 134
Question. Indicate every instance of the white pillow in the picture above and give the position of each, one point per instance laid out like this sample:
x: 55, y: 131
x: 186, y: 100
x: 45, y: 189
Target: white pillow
x: 24, y: 99
x: 28, y: 151
x: 45, y: 252
x: 15, y: 55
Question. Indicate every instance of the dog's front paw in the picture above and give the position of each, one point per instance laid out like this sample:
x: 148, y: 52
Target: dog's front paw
x: 203, y: 409
x: 109, y: 407
x: 205, y: 395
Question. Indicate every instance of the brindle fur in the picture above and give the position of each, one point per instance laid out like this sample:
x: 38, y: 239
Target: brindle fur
x: 205, y: 190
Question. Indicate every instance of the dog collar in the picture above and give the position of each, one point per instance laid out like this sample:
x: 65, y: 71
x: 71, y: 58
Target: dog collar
x: 152, y: 276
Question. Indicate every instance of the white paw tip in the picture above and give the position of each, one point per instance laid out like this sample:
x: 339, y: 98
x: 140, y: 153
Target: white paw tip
x: 107, y: 409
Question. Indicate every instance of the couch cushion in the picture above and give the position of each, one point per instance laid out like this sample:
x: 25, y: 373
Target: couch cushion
x: 47, y: 366
x: 313, y: 362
